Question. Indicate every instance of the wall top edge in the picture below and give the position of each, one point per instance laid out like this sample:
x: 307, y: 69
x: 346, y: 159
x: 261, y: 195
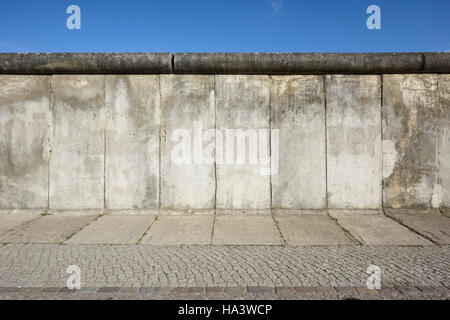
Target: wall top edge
x: 224, y: 63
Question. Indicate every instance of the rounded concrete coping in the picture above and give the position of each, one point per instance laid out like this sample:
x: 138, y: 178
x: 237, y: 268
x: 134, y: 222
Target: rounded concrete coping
x: 224, y: 63
x: 85, y: 63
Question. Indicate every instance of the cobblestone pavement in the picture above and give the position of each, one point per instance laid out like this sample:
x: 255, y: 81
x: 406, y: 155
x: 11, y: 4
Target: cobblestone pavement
x: 216, y: 272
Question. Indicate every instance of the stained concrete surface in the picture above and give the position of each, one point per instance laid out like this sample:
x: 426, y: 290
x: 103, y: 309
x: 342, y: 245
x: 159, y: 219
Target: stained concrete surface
x: 113, y: 229
x: 354, y: 158
x: 298, y: 112
x: 242, y: 103
x: 444, y: 139
x: 180, y: 230
x: 245, y: 229
x: 24, y: 151
x: 132, y: 141
x: 376, y: 229
x: 187, y: 163
x: 47, y: 229
x: 311, y: 229
x: 430, y: 223
x: 77, y: 142
x: 410, y: 141
x: 14, y: 221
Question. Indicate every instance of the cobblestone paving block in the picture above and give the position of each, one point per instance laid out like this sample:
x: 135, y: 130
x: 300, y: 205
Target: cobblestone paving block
x: 283, y: 293
x: 430, y: 223
x: 47, y: 229
x: 311, y: 229
x: 215, y: 290
x: 180, y: 230
x: 233, y: 267
x: 14, y: 221
x: 245, y: 230
x: 113, y: 229
x: 377, y: 229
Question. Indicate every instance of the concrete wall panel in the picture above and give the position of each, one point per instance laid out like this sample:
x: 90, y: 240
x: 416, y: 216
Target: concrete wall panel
x: 354, y: 141
x: 298, y: 112
x: 24, y: 113
x: 132, y: 141
x: 242, y: 102
x: 444, y: 141
x: 77, y: 142
x: 410, y: 141
x: 187, y: 154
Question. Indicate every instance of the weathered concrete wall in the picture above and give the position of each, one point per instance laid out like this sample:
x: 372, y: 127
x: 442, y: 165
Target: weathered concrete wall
x: 24, y: 115
x: 410, y: 141
x: 187, y: 108
x: 77, y: 142
x: 212, y: 140
x: 242, y: 103
x: 354, y: 141
x: 298, y: 112
x: 132, y: 142
x: 444, y: 140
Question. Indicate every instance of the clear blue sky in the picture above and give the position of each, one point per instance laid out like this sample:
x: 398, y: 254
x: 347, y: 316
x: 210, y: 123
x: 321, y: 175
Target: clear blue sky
x: 224, y: 26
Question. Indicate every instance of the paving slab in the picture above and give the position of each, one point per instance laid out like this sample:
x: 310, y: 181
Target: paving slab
x: 245, y: 230
x: 11, y: 222
x: 446, y: 212
x: 47, y: 229
x: 180, y: 229
x: 430, y: 223
x: 113, y: 229
x: 311, y: 229
x: 376, y: 229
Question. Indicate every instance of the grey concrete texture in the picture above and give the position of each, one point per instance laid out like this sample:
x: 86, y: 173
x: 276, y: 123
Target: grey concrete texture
x: 187, y: 110
x: 410, y: 141
x: 245, y: 230
x: 311, y: 229
x: 444, y: 140
x: 85, y: 63
x: 47, y: 229
x: 377, y: 229
x: 10, y: 222
x: 24, y: 113
x: 180, y: 230
x: 354, y: 156
x: 430, y: 223
x: 77, y: 142
x: 242, y: 103
x: 298, y: 111
x: 113, y: 229
x: 132, y: 142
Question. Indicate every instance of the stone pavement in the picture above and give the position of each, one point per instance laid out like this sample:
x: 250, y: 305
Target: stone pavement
x: 144, y: 271
x: 314, y: 255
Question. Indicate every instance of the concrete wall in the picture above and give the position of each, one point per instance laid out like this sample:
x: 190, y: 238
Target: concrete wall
x: 162, y: 142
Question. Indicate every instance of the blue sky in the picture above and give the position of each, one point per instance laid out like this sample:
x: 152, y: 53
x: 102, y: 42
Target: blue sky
x: 224, y: 26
